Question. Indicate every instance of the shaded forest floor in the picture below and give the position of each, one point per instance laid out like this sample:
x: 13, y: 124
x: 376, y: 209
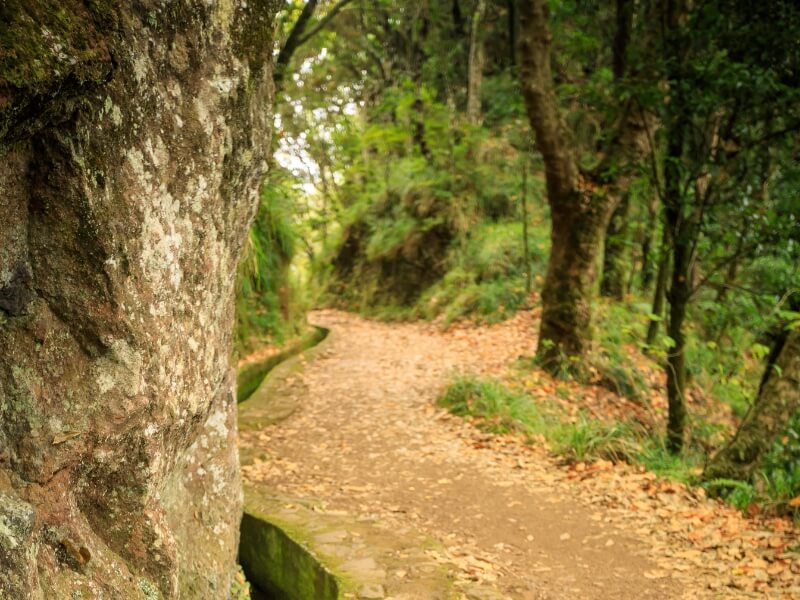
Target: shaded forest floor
x: 366, y: 443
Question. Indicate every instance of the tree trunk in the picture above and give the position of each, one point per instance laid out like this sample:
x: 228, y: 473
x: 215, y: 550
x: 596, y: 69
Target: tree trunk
x: 458, y: 18
x: 678, y: 296
x: 476, y: 60
x: 578, y: 216
x: 622, y: 36
x: 681, y: 223
x: 659, y: 295
x: 616, y: 258
x: 777, y: 402
x: 133, y: 141
x: 513, y: 23
x: 526, y: 251
x: 628, y: 146
x: 647, y: 242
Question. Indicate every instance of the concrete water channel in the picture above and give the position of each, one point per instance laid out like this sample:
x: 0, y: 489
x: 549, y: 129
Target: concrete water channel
x: 277, y: 566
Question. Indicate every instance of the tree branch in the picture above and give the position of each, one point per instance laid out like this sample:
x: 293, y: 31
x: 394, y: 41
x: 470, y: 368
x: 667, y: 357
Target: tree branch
x: 293, y: 42
x: 323, y: 22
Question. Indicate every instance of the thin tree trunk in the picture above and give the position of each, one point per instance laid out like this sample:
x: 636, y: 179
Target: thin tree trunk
x: 299, y: 36
x: 476, y: 60
x: 720, y: 327
x: 324, y: 21
x: 622, y: 36
x: 660, y: 292
x: 614, y: 282
x: 678, y: 296
x: 682, y: 228
x: 458, y: 18
x: 778, y: 400
x: 416, y: 59
x: 630, y: 143
x: 730, y: 277
x: 647, y: 242
x: 525, y: 245
x: 513, y: 23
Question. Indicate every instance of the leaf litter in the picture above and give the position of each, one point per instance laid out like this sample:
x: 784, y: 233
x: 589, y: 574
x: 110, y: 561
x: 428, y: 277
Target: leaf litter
x: 368, y: 440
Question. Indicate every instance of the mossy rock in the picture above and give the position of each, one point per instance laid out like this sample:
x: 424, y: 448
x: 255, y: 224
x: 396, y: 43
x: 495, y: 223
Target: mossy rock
x: 281, y: 567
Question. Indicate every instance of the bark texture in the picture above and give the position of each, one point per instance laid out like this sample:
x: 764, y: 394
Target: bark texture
x: 778, y: 400
x: 579, y: 216
x: 476, y: 61
x: 682, y: 218
x: 133, y: 137
x: 616, y: 257
x: 660, y: 292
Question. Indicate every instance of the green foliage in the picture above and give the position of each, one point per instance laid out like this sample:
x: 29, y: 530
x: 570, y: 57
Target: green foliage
x: 778, y: 477
x: 774, y: 483
x: 499, y: 409
x: 588, y: 439
x: 620, y: 325
x: 240, y: 587
x: 431, y: 225
x: 266, y: 306
x: 738, y: 493
x: 408, y: 210
x: 487, y: 276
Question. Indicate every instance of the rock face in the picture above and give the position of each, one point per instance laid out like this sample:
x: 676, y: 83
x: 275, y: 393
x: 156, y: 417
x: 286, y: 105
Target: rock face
x: 132, y: 143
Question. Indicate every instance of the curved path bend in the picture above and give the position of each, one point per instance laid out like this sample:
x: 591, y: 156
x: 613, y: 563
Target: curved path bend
x: 409, y: 493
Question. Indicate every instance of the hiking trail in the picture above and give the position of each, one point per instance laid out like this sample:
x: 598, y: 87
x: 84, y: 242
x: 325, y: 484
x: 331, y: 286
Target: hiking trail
x: 418, y: 503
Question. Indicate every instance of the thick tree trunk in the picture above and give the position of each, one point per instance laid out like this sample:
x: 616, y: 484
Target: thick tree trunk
x: 578, y: 216
x: 565, y: 330
x: 476, y: 60
x: 132, y: 146
x: 777, y: 402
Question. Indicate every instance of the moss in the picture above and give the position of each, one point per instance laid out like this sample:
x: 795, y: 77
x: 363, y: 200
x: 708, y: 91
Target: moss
x: 280, y: 566
x: 251, y: 376
x: 255, y: 42
x: 48, y: 39
x: 48, y: 50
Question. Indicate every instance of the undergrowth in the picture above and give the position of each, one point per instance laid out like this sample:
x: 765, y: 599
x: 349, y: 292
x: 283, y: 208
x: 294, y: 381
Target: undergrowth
x: 775, y: 485
x: 500, y: 408
x: 268, y: 309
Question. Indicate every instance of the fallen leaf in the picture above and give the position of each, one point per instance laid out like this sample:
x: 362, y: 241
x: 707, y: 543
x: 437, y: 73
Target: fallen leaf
x: 655, y: 574
x: 63, y: 436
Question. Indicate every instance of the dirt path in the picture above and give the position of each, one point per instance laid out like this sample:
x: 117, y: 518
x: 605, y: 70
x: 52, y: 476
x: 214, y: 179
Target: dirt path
x: 366, y: 441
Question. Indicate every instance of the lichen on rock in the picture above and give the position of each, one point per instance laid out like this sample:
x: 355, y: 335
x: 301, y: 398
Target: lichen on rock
x: 133, y: 138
